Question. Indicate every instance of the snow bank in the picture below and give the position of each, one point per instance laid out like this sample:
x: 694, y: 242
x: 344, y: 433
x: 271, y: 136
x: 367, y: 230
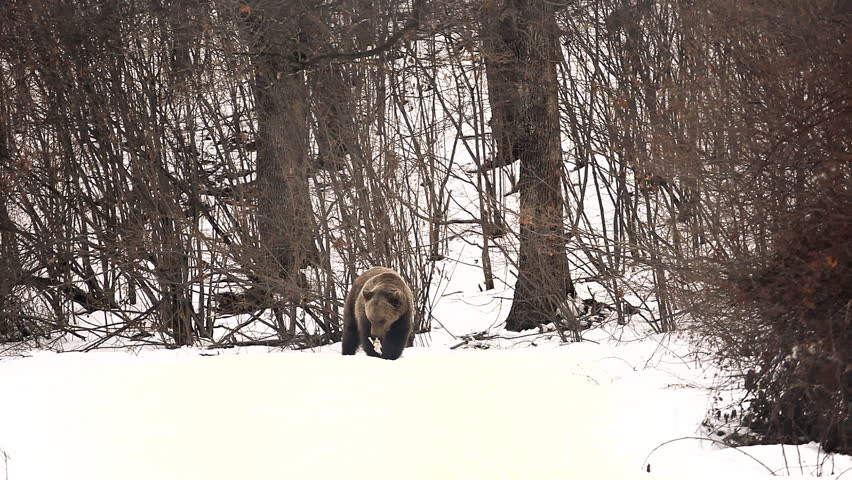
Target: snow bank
x: 581, y: 411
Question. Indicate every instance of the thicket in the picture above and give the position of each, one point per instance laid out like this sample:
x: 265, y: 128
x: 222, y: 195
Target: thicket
x: 776, y: 284
x: 188, y: 171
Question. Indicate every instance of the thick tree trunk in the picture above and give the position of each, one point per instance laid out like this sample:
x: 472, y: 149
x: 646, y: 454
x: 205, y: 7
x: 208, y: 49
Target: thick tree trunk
x: 334, y: 111
x: 284, y: 214
x: 10, y: 262
x: 284, y: 209
x: 10, y: 275
x: 523, y: 38
x: 502, y: 76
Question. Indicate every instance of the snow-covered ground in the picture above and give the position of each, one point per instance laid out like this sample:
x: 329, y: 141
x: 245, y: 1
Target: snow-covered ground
x: 528, y: 407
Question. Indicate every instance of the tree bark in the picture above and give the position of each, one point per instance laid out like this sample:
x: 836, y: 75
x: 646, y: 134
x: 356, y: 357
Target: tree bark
x: 284, y: 213
x: 334, y: 112
x: 10, y: 262
x: 522, y: 36
x: 501, y: 74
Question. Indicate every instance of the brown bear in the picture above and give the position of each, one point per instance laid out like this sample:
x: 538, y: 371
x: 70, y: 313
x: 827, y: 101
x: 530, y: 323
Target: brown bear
x: 378, y: 312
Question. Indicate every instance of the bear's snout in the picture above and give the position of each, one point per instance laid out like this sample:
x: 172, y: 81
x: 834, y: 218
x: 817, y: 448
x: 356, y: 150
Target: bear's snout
x: 377, y: 330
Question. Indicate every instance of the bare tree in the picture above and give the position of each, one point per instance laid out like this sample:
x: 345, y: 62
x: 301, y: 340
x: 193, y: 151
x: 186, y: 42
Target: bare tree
x: 278, y: 42
x: 521, y: 39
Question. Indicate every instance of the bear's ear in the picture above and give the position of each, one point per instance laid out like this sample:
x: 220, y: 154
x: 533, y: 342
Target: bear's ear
x: 367, y: 294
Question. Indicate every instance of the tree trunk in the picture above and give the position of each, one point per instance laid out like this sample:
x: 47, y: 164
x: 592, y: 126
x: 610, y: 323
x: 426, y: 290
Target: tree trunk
x: 522, y: 36
x: 284, y: 214
x: 10, y: 262
x: 334, y: 111
x: 502, y: 77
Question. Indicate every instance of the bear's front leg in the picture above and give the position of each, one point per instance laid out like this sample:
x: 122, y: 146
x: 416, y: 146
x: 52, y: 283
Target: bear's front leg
x: 350, y: 341
x: 396, y: 340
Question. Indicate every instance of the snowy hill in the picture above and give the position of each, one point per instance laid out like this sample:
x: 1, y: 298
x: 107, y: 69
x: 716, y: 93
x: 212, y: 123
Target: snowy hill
x: 591, y: 410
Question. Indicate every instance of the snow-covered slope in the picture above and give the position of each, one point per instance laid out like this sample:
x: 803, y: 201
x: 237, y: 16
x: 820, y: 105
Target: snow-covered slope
x: 582, y: 411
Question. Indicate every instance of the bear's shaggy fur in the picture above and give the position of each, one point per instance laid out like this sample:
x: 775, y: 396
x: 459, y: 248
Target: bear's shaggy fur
x: 380, y: 306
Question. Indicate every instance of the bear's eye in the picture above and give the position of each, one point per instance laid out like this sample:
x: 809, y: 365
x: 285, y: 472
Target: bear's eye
x: 394, y: 301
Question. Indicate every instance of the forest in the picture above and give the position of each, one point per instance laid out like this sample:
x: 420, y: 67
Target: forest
x: 216, y: 173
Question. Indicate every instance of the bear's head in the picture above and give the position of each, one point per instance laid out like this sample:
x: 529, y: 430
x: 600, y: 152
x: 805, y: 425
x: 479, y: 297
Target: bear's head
x: 384, y: 304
